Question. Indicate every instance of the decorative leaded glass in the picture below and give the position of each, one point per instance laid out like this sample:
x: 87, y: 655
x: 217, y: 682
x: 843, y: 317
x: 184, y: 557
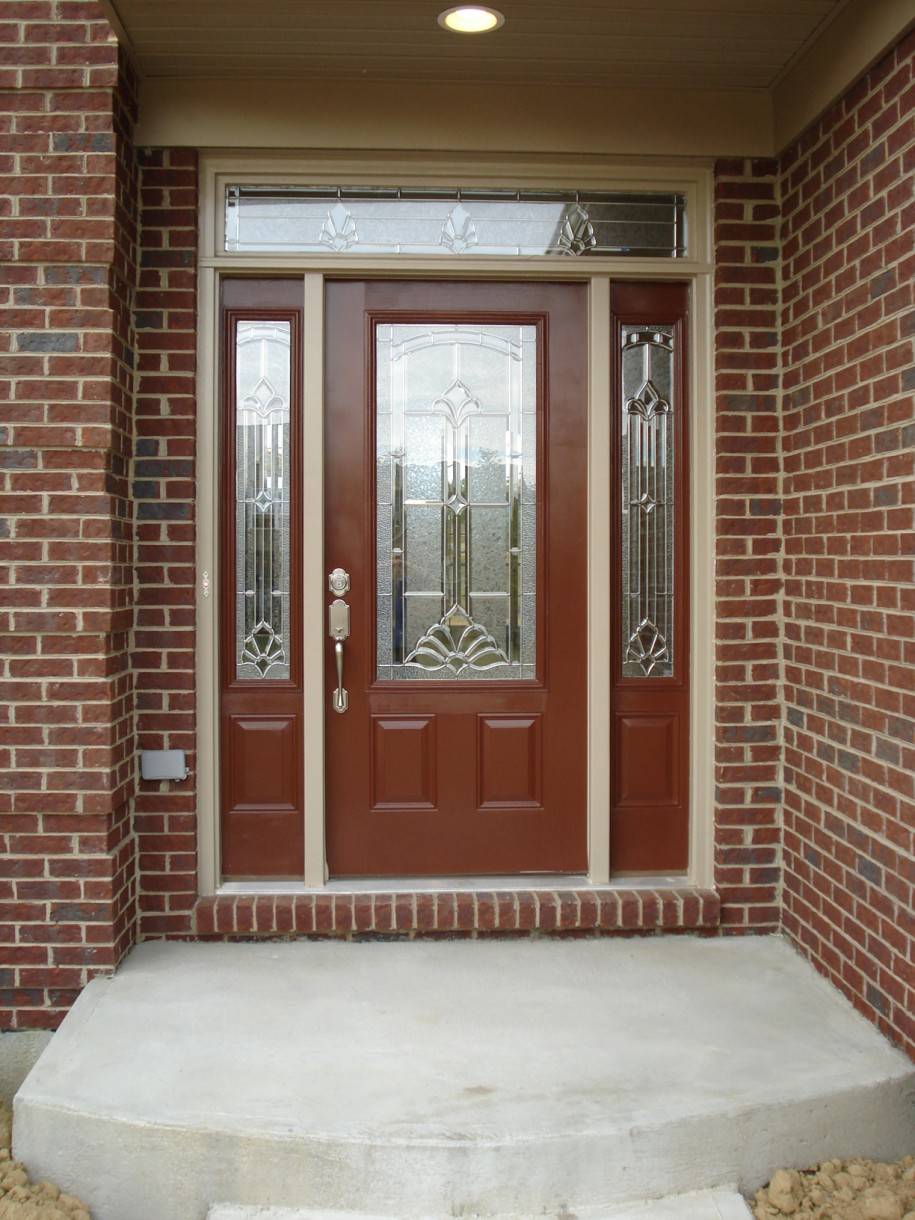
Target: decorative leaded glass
x: 262, y: 472
x: 648, y: 501
x: 456, y: 501
x: 395, y: 220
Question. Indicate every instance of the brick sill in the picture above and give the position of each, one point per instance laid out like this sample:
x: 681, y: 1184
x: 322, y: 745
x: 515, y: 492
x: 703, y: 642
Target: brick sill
x: 457, y: 912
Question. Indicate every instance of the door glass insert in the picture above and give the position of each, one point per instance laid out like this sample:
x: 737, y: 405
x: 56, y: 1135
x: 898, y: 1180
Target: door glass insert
x: 456, y: 497
x: 648, y: 501
x: 262, y: 474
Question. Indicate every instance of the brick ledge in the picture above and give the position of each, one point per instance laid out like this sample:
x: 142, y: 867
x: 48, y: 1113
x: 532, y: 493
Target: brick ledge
x: 457, y: 912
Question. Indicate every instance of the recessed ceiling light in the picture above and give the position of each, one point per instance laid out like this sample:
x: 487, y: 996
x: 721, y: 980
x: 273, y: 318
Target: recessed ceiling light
x: 470, y: 19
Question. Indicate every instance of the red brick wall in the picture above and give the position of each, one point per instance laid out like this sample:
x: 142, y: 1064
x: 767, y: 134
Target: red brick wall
x: 67, y: 198
x: 849, y: 459
x: 747, y: 546
x: 163, y: 488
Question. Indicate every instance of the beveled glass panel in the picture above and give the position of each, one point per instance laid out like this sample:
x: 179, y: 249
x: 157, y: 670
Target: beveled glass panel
x: 423, y: 564
x: 424, y: 459
x: 490, y: 548
x: 648, y: 406
x: 262, y: 473
x: 456, y: 494
x: 454, y: 221
x: 489, y: 468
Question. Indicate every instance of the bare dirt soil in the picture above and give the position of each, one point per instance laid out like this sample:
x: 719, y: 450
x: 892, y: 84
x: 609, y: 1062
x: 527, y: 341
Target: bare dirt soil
x: 840, y: 1190
x: 21, y: 1199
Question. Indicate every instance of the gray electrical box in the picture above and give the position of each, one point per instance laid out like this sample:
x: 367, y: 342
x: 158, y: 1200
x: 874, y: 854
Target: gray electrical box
x: 163, y: 764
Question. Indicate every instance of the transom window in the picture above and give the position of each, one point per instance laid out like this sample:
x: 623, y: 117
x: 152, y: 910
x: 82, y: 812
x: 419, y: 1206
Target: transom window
x: 453, y: 221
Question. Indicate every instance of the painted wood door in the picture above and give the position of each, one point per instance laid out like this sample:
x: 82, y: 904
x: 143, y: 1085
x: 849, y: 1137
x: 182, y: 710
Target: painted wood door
x: 456, y: 482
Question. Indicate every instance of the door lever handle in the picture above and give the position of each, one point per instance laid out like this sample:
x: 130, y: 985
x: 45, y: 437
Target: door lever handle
x: 338, y: 630
x: 340, y: 700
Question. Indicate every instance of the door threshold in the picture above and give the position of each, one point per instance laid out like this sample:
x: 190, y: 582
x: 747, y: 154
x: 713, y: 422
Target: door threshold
x: 451, y: 885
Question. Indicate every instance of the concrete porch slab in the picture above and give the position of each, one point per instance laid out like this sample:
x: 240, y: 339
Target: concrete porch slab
x: 444, y: 1079
x: 699, y: 1205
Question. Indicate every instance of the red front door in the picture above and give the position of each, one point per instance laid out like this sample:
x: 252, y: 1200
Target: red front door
x: 456, y: 481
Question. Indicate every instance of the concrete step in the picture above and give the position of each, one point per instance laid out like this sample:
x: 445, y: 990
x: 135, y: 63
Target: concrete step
x: 700, y: 1205
x: 443, y: 1079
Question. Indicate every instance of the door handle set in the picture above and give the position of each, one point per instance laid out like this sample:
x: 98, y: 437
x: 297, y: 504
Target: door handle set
x: 338, y: 628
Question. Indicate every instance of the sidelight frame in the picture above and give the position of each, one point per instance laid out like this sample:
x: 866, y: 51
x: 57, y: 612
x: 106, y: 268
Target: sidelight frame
x: 694, y: 179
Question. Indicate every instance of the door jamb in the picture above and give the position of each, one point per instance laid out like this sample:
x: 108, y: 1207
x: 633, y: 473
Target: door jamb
x: 314, y: 576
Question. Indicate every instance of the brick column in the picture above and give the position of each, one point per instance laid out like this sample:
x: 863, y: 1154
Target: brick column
x: 747, y: 575
x: 164, y: 490
x: 67, y: 201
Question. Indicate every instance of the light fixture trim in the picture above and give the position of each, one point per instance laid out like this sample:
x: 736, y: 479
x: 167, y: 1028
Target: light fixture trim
x: 471, y: 19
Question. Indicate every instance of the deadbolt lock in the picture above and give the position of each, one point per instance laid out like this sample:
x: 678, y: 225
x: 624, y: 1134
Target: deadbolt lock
x: 338, y: 582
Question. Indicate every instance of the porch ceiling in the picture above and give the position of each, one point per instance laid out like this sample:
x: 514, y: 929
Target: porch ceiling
x: 650, y: 44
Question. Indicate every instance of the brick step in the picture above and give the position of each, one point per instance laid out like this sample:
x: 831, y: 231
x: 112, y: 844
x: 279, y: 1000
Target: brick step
x: 468, y: 912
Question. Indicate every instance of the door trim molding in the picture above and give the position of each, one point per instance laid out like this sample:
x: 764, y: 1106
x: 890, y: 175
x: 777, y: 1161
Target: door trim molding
x: 690, y: 177
x: 695, y: 180
x: 208, y: 561
x: 599, y: 569
x: 314, y: 576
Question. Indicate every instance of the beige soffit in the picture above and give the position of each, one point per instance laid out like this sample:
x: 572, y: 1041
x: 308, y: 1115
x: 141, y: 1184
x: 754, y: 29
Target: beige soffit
x: 284, y: 114
x: 846, y: 48
x: 674, y: 44
x: 650, y: 77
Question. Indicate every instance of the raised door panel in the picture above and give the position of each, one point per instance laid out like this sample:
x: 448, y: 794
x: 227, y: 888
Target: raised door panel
x: 510, y: 762
x: 647, y: 759
x: 262, y: 761
x: 403, y: 762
